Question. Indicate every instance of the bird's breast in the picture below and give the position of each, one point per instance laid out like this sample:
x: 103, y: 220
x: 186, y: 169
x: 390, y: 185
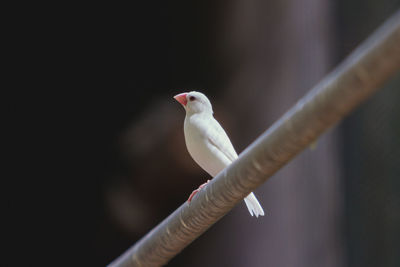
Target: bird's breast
x: 202, y: 151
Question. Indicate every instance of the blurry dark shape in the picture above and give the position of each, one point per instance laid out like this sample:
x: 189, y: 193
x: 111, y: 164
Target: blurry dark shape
x: 154, y: 143
x: 158, y: 129
x: 131, y: 212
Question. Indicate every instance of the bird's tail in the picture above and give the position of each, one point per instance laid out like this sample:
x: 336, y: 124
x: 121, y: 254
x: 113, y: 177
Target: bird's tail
x: 253, y: 205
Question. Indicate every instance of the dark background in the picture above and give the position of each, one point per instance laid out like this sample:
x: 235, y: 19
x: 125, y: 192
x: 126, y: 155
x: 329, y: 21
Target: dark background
x: 98, y: 139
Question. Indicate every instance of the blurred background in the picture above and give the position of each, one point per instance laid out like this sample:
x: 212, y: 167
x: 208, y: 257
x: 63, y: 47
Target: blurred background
x: 107, y: 158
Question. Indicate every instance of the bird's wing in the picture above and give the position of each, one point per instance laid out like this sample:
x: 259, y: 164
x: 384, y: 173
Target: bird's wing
x: 218, y: 138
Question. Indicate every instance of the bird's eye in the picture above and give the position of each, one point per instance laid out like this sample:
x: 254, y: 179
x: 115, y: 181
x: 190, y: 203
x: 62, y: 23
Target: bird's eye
x: 192, y: 98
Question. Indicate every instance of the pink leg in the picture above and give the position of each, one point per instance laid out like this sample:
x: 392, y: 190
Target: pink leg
x: 197, y: 190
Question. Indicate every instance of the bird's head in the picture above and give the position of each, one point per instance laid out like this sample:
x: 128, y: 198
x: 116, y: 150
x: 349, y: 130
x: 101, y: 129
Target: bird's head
x: 194, y: 102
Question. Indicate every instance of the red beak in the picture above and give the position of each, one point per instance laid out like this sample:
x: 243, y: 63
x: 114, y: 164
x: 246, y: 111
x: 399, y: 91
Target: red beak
x: 181, y: 98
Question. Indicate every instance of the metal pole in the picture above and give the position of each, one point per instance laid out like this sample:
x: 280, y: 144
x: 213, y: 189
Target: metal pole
x: 350, y: 84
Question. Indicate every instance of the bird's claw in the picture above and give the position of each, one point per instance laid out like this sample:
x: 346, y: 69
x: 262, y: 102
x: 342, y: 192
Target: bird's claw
x: 197, y: 190
x: 192, y: 195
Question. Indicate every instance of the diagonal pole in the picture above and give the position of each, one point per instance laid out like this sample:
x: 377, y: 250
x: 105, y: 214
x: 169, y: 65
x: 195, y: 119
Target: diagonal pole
x: 358, y: 77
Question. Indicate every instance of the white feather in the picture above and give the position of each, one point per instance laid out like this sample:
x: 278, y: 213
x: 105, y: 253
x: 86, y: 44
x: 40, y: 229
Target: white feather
x: 208, y: 143
x: 253, y: 205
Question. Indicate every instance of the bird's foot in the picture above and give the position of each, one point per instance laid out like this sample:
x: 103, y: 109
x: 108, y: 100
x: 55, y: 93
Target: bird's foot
x: 197, y: 190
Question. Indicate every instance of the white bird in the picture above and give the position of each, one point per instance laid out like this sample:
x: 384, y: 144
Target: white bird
x: 207, y: 142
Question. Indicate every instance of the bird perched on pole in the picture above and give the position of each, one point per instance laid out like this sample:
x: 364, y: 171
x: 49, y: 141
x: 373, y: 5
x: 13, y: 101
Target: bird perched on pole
x: 207, y: 142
